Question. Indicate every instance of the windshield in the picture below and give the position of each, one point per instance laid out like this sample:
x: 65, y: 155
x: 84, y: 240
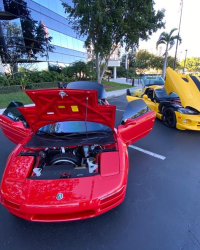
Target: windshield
x: 74, y: 127
x: 148, y: 81
x: 161, y: 93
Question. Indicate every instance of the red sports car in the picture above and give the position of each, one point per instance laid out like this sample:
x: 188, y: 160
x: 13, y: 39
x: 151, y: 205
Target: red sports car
x: 70, y: 162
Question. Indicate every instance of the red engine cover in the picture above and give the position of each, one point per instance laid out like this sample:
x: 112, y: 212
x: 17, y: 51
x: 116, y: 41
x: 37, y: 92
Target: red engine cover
x: 20, y: 168
x: 109, y: 162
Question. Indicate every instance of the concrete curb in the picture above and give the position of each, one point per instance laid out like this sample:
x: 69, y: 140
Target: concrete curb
x: 115, y: 95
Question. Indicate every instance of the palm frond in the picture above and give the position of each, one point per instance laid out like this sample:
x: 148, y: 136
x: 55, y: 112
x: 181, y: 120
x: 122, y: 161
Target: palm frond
x: 172, y: 31
x: 167, y: 38
x: 171, y: 44
x: 163, y: 35
x: 177, y: 37
x: 160, y: 42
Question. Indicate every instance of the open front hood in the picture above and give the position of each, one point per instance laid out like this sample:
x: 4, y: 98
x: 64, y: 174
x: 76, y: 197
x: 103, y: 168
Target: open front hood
x: 184, y: 87
x: 55, y: 105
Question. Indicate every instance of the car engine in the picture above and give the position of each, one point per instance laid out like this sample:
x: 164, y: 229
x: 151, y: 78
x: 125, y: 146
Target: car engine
x: 63, y: 162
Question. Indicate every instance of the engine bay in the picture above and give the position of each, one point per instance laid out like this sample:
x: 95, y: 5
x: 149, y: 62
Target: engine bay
x: 66, y: 162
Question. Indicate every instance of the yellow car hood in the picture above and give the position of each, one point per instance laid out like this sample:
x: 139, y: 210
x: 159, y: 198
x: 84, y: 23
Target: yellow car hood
x: 187, y: 90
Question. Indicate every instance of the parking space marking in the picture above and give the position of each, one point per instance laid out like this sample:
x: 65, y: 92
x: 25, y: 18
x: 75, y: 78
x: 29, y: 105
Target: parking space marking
x: 148, y: 152
x: 120, y: 110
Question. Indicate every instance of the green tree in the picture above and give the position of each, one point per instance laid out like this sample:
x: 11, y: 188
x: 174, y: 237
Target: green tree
x: 192, y: 64
x: 171, y: 62
x: 106, y: 24
x: 143, y: 59
x: 168, y: 39
x: 156, y: 62
x: 12, y: 45
x: 130, y: 57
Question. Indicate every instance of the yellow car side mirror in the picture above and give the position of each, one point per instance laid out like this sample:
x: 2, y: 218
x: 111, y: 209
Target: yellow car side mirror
x: 145, y: 97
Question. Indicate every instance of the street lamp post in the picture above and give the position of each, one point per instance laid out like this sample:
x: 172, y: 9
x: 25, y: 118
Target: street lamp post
x: 185, y: 60
x: 174, y: 65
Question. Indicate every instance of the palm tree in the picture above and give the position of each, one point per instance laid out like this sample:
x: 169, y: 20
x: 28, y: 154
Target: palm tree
x: 169, y: 40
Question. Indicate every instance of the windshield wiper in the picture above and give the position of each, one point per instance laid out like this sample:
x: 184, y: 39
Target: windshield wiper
x: 89, y: 133
x: 46, y: 133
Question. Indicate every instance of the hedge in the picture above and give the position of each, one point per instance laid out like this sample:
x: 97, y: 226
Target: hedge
x: 10, y: 89
x: 42, y: 85
x: 17, y: 88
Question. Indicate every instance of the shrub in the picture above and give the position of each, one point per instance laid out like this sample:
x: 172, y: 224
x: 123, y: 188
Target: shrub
x: 9, y: 89
x: 3, y: 79
x: 121, y: 71
x: 131, y: 73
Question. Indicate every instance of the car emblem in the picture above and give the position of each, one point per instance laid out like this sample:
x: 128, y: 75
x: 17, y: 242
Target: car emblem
x: 59, y: 196
x: 62, y: 94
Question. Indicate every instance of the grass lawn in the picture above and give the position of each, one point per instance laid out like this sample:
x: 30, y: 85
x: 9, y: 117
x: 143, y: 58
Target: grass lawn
x: 110, y: 86
x: 21, y: 96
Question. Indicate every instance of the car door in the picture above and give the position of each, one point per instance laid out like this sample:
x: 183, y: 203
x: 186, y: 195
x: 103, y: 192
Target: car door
x: 137, y: 121
x: 13, y: 124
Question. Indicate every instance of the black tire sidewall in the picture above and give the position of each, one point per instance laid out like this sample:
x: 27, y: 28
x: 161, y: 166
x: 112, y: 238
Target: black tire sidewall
x: 173, y: 125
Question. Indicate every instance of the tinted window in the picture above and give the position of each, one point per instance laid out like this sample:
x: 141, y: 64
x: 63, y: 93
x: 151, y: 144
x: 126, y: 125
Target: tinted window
x: 135, y: 109
x: 161, y: 93
x: 13, y: 112
x: 74, y: 127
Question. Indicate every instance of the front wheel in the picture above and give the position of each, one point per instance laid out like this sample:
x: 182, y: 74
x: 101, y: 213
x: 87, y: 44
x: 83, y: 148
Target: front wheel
x: 169, y: 117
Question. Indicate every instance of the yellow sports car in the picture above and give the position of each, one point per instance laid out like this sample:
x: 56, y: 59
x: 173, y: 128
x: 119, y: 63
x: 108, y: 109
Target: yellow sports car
x: 177, y: 104
x: 146, y: 81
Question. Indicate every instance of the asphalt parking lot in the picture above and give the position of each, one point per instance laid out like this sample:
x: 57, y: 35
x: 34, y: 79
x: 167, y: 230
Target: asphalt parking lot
x: 161, y: 209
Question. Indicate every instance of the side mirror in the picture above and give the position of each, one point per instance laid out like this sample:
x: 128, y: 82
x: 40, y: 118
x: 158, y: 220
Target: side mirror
x: 128, y: 122
x: 145, y: 97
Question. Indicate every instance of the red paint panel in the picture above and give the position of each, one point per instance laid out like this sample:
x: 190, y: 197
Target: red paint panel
x: 55, y: 105
x: 20, y: 168
x: 135, y: 129
x: 14, y: 131
x: 109, y: 163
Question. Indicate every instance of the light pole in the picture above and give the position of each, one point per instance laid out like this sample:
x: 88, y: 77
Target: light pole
x: 174, y: 65
x: 185, y: 60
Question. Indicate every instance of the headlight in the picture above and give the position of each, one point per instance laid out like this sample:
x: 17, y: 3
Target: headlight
x: 187, y: 111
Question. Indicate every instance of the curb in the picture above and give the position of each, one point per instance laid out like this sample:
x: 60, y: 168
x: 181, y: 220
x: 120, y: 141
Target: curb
x: 115, y: 95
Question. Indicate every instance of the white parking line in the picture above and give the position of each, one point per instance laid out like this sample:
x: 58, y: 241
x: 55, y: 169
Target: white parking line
x: 120, y: 110
x: 148, y: 152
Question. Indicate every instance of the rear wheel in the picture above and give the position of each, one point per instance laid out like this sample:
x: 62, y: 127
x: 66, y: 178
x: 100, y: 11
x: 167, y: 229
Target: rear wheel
x: 169, y: 117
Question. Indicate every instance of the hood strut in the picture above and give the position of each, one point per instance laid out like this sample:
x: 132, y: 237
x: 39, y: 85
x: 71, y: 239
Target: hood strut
x: 86, y: 117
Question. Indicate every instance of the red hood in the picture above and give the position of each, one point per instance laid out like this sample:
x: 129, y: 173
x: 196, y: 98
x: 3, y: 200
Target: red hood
x: 56, y: 105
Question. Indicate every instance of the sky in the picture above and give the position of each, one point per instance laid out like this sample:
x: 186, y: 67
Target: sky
x: 189, y: 30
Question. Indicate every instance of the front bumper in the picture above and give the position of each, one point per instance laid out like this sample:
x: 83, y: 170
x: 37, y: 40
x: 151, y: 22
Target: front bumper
x: 68, y: 212
x: 190, y: 122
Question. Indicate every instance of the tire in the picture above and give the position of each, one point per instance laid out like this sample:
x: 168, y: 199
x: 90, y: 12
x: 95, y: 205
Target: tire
x: 128, y: 92
x: 169, y: 118
x: 64, y: 158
